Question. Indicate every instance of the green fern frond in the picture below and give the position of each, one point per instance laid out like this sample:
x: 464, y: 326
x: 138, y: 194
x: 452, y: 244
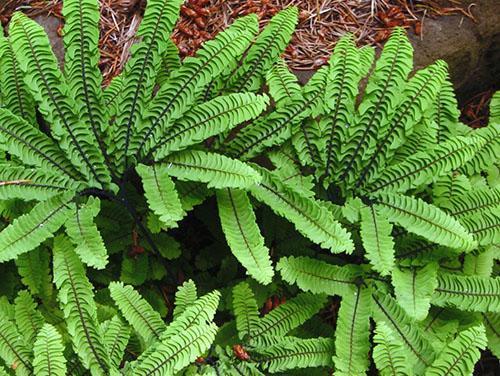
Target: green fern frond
x: 243, y: 235
x: 295, y: 353
x: 472, y: 293
x: 447, y: 186
x: 177, y: 352
x: 352, y: 332
x: 417, y: 349
x: 279, y: 125
x: 377, y: 240
x: 46, y: 83
x: 425, y: 220
x: 488, y: 154
x: 49, y: 353
x: 81, y: 58
x: 474, y: 201
x: 139, y: 75
x: 137, y: 311
x: 422, y: 168
x: 479, y: 263
x: 175, y: 96
x: 191, y: 193
x: 460, y: 355
x: 28, y: 319
x: 284, y: 318
x: 34, y: 269
x: 84, y: 234
x: 340, y: 98
x: 170, y: 61
x: 245, y: 309
x: 268, y: 46
x: 110, y: 98
x: 282, y: 83
x: 33, y: 147
x: 446, y: 114
x: 309, y: 217
x: 185, y: 296
x: 417, y: 98
x: 414, y: 288
x: 77, y: 302
x: 377, y: 108
x: 160, y: 193
x: 388, y: 353
x: 216, y: 170
x: 32, y: 184
x: 13, y: 350
x: 318, y: 276
x: 484, y: 226
x: 29, y: 230
x: 209, y: 119
x: 15, y: 95
x: 308, y: 142
x: 116, y: 336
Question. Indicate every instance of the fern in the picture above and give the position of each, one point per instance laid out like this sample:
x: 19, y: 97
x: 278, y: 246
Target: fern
x: 49, y: 353
x: 388, y: 354
x: 245, y: 310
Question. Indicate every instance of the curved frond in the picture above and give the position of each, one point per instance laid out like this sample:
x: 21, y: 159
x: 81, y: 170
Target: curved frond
x: 318, y: 276
x: 209, y: 119
x: 49, y: 353
x: 32, y: 184
x: 446, y: 114
x: 76, y: 299
x: 492, y: 323
x: 175, y: 96
x: 469, y: 293
x: 388, y: 353
x: 268, y: 46
x: 243, y: 235
x: 417, y: 349
x: 414, y: 288
x: 15, y: 95
x: 460, y: 355
x: 34, y: 269
x: 484, y: 226
x: 47, y: 85
x: 309, y: 217
x: 352, y: 333
x: 474, y: 201
x: 378, y: 106
x: 13, y: 350
x: 33, y: 147
x: 84, y: 234
x: 170, y: 61
x: 245, y: 309
x: 425, y: 220
x: 279, y: 125
x: 423, y: 167
x: 216, y: 170
x: 139, y: 74
x: 377, y: 240
x: 185, y: 296
x: 296, y: 353
x: 116, y: 336
x: 30, y: 230
x: 137, y: 311
x: 282, y: 83
x: 285, y: 317
x: 28, y: 319
x: 160, y: 193
x: 488, y: 154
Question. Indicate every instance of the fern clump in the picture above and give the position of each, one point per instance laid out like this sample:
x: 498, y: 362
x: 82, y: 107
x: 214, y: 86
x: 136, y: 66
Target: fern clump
x: 330, y: 228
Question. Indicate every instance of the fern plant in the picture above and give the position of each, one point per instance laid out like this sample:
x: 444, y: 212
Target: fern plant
x: 378, y: 209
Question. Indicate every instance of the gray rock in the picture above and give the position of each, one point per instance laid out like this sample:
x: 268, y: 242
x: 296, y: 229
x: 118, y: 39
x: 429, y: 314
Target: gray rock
x: 51, y: 24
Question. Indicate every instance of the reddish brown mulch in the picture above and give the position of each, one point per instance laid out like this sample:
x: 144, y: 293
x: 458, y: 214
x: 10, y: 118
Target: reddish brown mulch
x: 475, y: 112
x: 321, y: 23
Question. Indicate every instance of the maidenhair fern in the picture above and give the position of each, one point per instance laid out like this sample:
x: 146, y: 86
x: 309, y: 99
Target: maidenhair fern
x: 365, y: 217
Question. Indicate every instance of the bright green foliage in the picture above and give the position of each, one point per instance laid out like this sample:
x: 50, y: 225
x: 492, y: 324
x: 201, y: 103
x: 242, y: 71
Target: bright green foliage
x: 351, y: 335
x: 460, y: 355
x: 48, y: 352
x: 85, y: 235
x: 137, y: 311
x: 80, y: 312
x: 472, y: 293
x: 319, y: 277
x: 243, y: 235
x: 296, y: 353
x: 414, y: 288
x: 245, y: 310
x: 388, y: 354
x: 376, y: 236
x: 378, y: 207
